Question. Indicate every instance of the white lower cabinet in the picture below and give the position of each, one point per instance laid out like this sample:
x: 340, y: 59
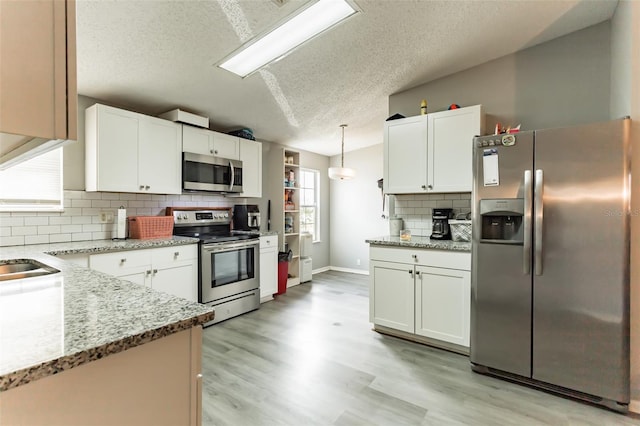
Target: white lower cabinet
x: 173, y: 270
x: 268, y: 267
x: 422, y: 292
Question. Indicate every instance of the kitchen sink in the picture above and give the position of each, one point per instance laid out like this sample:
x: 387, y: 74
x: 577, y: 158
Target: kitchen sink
x: 23, y: 268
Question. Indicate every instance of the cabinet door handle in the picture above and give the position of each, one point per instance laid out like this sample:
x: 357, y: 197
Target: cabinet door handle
x: 210, y: 151
x: 411, y: 272
x: 141, y: 187
x: 430, y: 186
x: 124, y: 259
x: 424, y: 186
x: 215, y: 151
x: 415, y: 257
x: 176, y: 254
x: 155, y: 271
x: 147, y: 187
x: 148, y: 272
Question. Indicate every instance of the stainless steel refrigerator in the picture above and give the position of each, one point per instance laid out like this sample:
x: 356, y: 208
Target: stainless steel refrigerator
x: 550, y: 260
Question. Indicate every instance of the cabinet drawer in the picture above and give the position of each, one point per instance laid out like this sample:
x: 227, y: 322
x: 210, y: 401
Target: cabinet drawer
x: 269, y: 242
x: 174, y: 254
x: 119, y: 262
x: 428, y: 257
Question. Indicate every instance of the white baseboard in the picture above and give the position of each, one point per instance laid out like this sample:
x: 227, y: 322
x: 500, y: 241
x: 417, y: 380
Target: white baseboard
x: 319, y: 270
x: 349, y: 270
x: 634, y: 406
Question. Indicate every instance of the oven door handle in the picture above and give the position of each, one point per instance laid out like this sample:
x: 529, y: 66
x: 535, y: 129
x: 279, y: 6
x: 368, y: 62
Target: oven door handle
x: 220, y: 247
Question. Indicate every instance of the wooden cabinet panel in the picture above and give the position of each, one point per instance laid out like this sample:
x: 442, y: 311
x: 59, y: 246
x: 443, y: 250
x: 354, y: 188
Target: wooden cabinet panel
x: 38, y: 69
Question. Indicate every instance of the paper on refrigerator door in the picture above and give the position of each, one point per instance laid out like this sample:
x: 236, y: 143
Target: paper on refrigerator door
x: 490, y: 167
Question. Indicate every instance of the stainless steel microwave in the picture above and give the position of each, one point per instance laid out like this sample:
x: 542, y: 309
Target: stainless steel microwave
x: 209, y: 173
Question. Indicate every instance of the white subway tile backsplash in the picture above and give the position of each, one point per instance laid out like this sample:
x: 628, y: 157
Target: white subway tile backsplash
x: 12, y: 241
x: 100, y: 203
x: 48, y: 229
x: 11, y: 221
x: 59, y: 238
x: 81, y: 236
x: 80, y: 219
x: 24, y: 230
x: 92, y: 195
x: 92, y: 228
x: 110, y: 195
x: 70, y: 228
x: 417, y: 209
x: 72, y: 211
x: 36, y: 239
x: 38, y: 220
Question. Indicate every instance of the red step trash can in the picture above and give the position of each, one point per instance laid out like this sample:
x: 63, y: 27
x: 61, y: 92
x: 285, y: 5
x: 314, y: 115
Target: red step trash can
x: 283, y: 270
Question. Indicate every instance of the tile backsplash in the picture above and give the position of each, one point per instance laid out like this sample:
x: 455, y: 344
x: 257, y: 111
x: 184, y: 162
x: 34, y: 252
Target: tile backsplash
x: 81, y: 221
x: 416, y: 209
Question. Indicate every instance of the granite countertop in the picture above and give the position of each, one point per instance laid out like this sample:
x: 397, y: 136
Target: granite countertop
x: 421, y: 242
x: 55, y: 322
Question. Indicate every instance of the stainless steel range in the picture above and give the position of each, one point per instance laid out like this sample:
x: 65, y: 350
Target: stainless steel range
x: 228, y: 276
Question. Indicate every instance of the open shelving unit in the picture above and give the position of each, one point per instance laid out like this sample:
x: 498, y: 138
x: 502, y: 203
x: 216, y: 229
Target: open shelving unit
x: 284, y: 194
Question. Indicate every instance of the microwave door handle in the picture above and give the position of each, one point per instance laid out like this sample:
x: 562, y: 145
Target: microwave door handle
x: 233, y: 177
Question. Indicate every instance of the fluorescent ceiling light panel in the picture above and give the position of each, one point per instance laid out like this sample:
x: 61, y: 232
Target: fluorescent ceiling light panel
x: 296, y: 30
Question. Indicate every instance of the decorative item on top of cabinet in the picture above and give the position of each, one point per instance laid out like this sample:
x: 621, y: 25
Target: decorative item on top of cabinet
x: 131, y: 152
x: 38, y: 99
x: 431, y: 153
x: 284, y: 170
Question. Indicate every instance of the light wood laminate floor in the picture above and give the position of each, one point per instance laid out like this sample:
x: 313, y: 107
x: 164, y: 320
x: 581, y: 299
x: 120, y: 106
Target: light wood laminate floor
x: 310, y: 358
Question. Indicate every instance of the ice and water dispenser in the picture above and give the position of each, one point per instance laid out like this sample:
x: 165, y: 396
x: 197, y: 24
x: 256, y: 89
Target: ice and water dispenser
x: 501, y: 220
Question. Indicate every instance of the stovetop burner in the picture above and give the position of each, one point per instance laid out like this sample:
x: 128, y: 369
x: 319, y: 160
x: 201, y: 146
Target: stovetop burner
x: 208, y: 225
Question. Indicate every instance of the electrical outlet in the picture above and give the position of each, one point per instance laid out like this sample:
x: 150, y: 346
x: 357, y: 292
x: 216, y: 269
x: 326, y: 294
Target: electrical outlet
x: 106, y: 217
x: 358, y: 262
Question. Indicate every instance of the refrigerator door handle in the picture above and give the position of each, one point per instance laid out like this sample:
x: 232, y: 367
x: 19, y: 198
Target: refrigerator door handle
x: 539, y: 208
x: 526, y: 246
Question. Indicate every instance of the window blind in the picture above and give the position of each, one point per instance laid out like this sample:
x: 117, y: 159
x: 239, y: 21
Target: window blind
x: 33, y: 185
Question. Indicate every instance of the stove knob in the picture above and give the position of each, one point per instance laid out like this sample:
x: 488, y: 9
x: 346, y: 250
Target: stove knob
x: 225, y: 215
x: 216, y: 216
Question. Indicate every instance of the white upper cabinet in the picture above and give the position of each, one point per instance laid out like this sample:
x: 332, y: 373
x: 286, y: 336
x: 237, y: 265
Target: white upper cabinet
x: 405, y: 155
x: 131, y: 152
x: 207, y: 142
x: 431, y: 153
x: 251, y: 157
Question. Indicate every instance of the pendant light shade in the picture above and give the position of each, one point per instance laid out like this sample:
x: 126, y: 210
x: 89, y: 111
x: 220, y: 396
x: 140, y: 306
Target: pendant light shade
x: 342, y: 172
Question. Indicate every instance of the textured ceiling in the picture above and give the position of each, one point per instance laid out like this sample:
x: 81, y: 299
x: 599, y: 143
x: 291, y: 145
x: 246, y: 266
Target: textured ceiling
x: 154, y: 56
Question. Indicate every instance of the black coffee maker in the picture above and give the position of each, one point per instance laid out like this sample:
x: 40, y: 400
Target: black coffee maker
x: 246, y: 217
x: 440, y: 229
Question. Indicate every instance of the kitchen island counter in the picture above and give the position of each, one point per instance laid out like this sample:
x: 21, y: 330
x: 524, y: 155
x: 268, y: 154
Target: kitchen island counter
x: 421, y: 243
x: 56, y: 322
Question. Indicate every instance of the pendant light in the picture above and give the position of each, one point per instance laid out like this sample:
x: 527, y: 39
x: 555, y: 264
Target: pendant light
x: 342, y: 172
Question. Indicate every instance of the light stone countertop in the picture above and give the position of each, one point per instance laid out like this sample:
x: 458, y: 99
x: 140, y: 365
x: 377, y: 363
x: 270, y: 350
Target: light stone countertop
x: 55, y: 322
x: 421, y: 243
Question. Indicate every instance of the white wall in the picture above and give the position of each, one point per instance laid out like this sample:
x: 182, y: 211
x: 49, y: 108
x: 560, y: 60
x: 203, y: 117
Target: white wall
x: 562, y: 82
x: 625, y: 100
x: 356, y: 208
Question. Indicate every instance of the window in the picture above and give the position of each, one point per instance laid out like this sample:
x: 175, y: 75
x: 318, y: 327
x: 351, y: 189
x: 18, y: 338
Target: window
x: 309, y: 182
x: 33, y: 185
